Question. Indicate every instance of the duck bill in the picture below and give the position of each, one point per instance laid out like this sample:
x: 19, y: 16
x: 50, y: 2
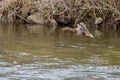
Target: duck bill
x: 89, y: 35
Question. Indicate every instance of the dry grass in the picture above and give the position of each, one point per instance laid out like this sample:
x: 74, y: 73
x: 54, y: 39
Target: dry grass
x: 63, y: 10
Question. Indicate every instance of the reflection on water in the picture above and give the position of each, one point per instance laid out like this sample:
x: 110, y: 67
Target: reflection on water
x: 33, y: 52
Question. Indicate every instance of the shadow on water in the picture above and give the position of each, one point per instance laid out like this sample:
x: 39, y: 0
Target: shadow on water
x: 34, y: 52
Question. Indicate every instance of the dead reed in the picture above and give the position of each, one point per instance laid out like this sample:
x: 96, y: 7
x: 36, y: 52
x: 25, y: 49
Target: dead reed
x: 63, y: 11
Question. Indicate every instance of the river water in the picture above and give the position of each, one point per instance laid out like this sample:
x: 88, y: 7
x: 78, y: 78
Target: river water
x: 34, y: 52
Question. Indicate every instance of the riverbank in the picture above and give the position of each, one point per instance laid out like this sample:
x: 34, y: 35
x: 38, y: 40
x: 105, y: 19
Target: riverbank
x: 60, y: 12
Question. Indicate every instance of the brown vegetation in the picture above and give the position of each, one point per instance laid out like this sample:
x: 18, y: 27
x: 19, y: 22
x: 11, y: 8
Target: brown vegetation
x: 62, y: 11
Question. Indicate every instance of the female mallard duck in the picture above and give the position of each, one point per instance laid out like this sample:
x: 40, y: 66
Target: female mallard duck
x: 81, y: 29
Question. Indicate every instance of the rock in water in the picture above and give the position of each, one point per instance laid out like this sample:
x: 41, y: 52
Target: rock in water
x: 98, y: 20
x: 36, y: 18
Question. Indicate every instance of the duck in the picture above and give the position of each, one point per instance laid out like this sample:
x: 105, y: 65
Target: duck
x: 81, y: 29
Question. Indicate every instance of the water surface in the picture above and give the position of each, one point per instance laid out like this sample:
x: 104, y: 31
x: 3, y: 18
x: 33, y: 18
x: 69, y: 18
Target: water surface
x: 34, y: 52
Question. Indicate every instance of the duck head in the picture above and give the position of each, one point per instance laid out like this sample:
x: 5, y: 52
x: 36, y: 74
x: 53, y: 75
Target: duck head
x: 82, y: 29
